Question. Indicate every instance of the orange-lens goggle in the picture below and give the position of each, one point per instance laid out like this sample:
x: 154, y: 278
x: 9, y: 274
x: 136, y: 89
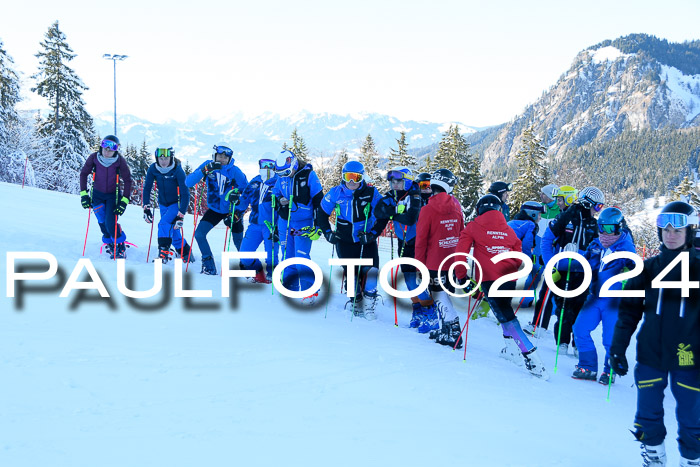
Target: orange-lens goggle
x: 424, y: 185
x: 352, y: 177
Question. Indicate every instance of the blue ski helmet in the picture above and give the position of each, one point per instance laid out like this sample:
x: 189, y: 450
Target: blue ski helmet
x: 610, y: 221
x: 401, y: 173
x: 286, y: 163
x: 353, y: 167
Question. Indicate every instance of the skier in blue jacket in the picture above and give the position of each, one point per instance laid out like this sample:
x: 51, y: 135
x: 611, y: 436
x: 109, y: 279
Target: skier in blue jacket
x: 525, y: 225
x: 611, y: 239
x: 173, y: 199
x: 299, y: 193
x: 225, y: 181
x: 262, y: 220
x: 402, y: 205
x: 356, y: 232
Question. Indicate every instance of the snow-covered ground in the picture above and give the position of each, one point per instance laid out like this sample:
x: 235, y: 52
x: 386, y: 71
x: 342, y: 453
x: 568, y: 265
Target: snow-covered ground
x: 258, y: 381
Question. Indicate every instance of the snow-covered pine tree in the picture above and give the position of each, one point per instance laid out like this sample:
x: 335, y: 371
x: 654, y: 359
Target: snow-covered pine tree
x: 299, y: 146
x: 369, y: 156
x: 399, y: 156
x: 337, y: 175
x: 68, y: 129
x: 16, y: 134
x: 531, y: 159
x: 427, y: 166
x: 686, y: 191
x: 454, y: 154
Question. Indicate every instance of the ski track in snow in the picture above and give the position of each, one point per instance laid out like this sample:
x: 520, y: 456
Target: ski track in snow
x: 263, y: 383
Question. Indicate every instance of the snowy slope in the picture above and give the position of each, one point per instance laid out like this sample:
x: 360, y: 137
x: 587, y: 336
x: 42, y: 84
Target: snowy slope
x: 259, y: 381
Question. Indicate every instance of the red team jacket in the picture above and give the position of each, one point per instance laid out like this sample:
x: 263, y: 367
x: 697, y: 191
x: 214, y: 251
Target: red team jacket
x: 439, y: 225
x: 490, y: 235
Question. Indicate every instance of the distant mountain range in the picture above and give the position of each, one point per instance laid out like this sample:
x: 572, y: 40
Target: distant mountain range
x: 253, y: 136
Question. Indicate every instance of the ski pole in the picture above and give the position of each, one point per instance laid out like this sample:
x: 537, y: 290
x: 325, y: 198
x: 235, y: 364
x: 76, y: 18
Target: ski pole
x: 532, y: 282
x: 150, y: 239
x: 330, y: 274
x: 89, y: 211
x: 289, y: 221
x: 182, y: 228
x: 197, y: 203
x: 561, y: 316
x: 116, y: 225
x: 272, y: 237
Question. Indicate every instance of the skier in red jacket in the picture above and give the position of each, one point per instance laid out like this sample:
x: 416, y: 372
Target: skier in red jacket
x: 489, y: 235
x: 439, y: 225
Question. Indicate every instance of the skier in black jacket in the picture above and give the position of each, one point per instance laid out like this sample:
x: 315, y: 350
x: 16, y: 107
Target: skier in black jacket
x: 668, y: 342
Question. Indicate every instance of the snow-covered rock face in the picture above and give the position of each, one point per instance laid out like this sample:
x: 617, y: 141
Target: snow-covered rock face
x: 604, y: 92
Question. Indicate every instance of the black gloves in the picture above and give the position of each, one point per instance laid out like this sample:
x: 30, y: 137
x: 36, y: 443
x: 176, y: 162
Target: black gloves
x: 147, y: 214
x: 85, y: 199
x: 121, y: 207
x: 367, y: 237
x: 210, y: 168
x: 233, y: 196
x: 331, y: 237
x: 618, y: 362
x: 235, y: 218
x: 178, y: 221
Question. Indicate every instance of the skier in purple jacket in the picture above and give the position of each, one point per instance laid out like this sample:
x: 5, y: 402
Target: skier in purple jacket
x: 105, y: 198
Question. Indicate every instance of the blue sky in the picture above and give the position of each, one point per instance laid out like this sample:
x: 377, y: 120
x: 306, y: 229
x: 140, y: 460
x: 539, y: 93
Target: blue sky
x: 475, y: 62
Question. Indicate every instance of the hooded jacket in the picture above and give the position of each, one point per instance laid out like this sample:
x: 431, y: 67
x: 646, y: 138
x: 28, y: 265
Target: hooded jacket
x: 257, y: 195
x: 167, y: 185
x: 439, y: 225
x: 669, y: 338
x: 490, y: 235
x: 106, y: 177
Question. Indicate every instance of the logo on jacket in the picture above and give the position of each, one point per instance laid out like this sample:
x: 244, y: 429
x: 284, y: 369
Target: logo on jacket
x: 685, y: 355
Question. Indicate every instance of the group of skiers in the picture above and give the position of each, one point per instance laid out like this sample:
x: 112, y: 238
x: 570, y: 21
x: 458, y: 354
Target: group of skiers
x: 288, y: 210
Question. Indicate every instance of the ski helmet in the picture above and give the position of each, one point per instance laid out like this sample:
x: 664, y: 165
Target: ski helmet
x: 110, y: 142
x: 286, y: 163
x: 222, y: 148
x: 610, y: 221
x: 678, y: 214
x: 423, y: 179
x: 498, y: 188
x: 401, y: 173
x: 591, y: 197
x: 443, y: 179
x: 568, y: 193
x: 164, y: 150
x: 267, y: 166
x: 489, y: 202
x: 532, y: 209
x: 550, y: 191
x: 353, y: 171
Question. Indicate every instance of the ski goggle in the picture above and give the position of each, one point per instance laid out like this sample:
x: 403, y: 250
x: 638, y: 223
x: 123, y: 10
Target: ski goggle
x: 352, y: 177
x: 164, y: 152
x: 675, y: 220
x: 109, y: 144
x: 612, y: 229
x: 267, y: 164
x: 424, y: 185
x: 228, y: 152
x: 397, y: 175
x: 588, y: 204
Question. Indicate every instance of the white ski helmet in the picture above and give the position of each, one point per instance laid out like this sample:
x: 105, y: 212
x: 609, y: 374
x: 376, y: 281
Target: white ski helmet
x: 591, y: 197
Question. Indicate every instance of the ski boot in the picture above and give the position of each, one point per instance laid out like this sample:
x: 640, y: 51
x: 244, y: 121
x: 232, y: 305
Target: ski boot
x: 654, y: 455
x: 164, y: 255
x: 563, y: 349
x: 416, y: 316
x: 208, y: 266
x: 307, y: 301
x: 582, y: 373
x: 511, y: 351
x: 109, y: 249
x: 187, y: 256
x: 371, y: 298
x: 119, y: 253
x: 430, y: 320
x: 606, y: 378
x: 685, y: 462
x: 482, y: 310
x: 450, y: 334
x: 534, y: 364
x: 261, y: 278
x: 356, y: 306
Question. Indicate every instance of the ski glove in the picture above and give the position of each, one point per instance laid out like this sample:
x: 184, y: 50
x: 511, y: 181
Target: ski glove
x: 367, y: 237
x: 233, y: 196
x: 331, y: 237
x: 235, y: 218
x: 85, y: 199
x: 556, y: 275
x: 311, y: 232
x: 210, y: 168
x: 121, y: 207
x: 400, y: 209
x: 178, y: 222
x: 618, y: 362
x: 274, y: 233
x: 147, y: 214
